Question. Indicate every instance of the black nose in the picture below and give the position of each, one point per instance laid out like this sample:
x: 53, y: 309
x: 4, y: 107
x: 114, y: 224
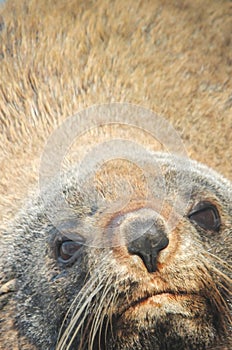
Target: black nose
x: 148, y: 246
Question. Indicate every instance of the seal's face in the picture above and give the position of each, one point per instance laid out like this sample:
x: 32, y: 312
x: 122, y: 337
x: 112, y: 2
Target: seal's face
x: 141, y: 276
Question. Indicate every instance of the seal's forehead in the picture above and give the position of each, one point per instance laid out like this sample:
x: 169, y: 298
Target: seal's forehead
x: 156, y: 167
x: 159, y: 177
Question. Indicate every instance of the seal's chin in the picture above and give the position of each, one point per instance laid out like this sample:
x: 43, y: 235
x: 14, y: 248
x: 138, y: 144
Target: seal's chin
x: 165, y: 321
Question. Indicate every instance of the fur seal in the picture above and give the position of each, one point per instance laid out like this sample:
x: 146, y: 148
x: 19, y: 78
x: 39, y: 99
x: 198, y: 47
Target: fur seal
x: 163, y: 288
x: 58, y: 57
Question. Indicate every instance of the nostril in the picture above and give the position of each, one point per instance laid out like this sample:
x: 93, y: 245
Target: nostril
x: 147, y: 247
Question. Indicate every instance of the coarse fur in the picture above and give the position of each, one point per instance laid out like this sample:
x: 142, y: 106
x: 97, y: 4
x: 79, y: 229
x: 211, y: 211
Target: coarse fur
x: 57, y: 57
x: 106, y: 298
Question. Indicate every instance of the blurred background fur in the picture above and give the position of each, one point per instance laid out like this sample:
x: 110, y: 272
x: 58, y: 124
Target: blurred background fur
x: 58, y: 57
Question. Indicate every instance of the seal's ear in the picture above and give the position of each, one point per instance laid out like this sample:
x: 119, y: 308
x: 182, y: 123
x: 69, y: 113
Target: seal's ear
x: 6, y: 291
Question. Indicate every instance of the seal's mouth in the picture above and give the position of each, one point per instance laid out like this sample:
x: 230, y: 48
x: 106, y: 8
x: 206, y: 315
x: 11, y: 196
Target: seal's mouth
x: 158, y: 300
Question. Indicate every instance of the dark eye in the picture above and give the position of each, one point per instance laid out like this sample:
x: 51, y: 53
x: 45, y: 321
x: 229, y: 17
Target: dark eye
x: 206, y: 215
x: 67, y: 250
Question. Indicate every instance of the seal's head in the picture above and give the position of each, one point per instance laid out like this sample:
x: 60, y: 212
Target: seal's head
x: 143, y: 275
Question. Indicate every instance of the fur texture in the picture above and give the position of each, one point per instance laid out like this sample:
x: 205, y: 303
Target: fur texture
x: 106, y: 298
x: 57, y: 57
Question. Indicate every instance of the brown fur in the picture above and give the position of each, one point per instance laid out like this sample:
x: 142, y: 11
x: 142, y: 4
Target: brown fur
x: 110, y: 296
x: 60, y: 56
x: 57, y: 57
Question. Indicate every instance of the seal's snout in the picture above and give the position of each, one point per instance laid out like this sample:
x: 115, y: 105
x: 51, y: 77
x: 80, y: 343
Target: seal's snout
x: 148, y: 247
x: 147, y: 235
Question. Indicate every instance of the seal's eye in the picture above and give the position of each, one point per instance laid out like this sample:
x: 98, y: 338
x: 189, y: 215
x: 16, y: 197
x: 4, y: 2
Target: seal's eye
x: 67, y: 249
x: 206, y: 215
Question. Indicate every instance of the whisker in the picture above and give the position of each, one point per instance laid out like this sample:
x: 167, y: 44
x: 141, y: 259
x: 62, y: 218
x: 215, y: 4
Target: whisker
x: 110, y: 319
x: 97, y: 312
x: 77, y: 316
x: 212, y: 256
x: 80, y: 307
x: 102, y: 311
x: 82, y: 311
